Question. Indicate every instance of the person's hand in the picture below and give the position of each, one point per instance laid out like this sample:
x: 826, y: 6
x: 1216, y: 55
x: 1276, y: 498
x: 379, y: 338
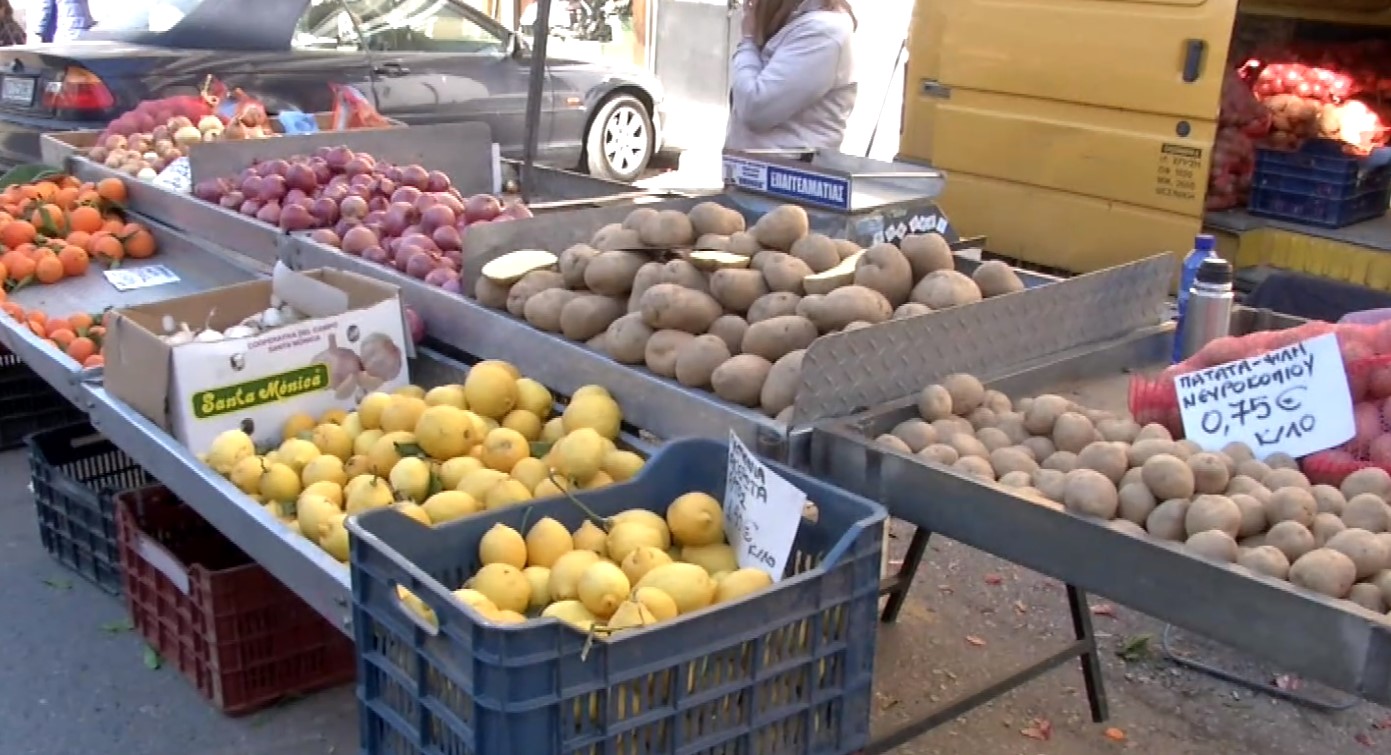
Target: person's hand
x: 748, y: 19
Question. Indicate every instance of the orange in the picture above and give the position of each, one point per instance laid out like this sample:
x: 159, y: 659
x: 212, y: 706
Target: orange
x: 17, y: 232
x: 37, y: 329
x: 74, y: 260
x: 96, y: 333
x: 112, y: 190
x: 4, y: 272
x: 38, y: 316
x: 3, y: 296
x: 95, y: 360
x: 88, y: 196
x: 81, y: 348
x: 49, y: 269
x: 79, y: 238
x: 86, y: 219
x: 45, y: 189
x: 13, y: 310
x: 80, y: 321
x: 108, y: 246
x: 61, y: 338
x: 66, y: 197
x: 139, y: 242
x: 50, y: 218
x: 20, y: 267
x: 55, y: 324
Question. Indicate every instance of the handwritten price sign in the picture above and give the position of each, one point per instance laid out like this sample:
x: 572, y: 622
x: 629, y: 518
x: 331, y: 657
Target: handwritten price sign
x: 1293, y: 400
x: 761, y: 512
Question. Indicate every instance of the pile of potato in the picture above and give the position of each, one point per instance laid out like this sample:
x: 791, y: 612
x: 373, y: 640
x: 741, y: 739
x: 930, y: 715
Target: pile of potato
x: 699, y: 298
x: 1228, y: 506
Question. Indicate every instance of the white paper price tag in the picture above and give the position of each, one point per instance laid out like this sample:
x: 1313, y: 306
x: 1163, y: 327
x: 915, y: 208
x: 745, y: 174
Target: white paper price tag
x: 761, y: 512
x: 1293, y: 400
x: 178, y: 176
x: 131, y: 278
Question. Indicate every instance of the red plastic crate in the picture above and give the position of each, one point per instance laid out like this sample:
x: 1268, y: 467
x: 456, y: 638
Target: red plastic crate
x: 238, y: 634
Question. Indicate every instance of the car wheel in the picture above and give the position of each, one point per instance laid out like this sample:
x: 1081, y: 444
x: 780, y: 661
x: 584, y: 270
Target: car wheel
x: 620, y: 140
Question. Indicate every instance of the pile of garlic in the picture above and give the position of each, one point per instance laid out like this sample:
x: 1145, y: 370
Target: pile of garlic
x: 277, y: 315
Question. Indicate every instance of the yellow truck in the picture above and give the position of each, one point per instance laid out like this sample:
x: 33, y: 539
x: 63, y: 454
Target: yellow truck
x: 1078, y: 134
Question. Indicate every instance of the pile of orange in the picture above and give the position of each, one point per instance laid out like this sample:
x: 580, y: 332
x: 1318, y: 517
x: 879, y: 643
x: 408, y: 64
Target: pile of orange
x: 53, y: 229
x: 78, y: 335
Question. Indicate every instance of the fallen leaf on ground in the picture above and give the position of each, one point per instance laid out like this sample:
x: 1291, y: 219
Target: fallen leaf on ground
x: 1103, y: 609
x: 978, y: 642
x: 1362, y: 739
x: 1020, y: 607
x: 1383, y: 724
x: 1287, y: 682
x: 994, y: 579
x: 1115, y: 735
x: 1041, y: 729
x: 1135, y: 648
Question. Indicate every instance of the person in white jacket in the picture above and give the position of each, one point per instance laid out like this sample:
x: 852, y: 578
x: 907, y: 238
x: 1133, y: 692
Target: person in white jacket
x: 792, y: 76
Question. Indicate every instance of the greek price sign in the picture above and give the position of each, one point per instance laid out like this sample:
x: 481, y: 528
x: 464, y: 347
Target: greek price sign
x: 799, y: 186
x: 1293, y: 400
x: 761, y: 512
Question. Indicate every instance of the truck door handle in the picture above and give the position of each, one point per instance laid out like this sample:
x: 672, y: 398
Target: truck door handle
x: 391, y: 69
x: 1193, y: 51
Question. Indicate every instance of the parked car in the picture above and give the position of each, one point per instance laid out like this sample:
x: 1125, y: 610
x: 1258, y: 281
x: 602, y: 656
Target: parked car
x: 420, y: 61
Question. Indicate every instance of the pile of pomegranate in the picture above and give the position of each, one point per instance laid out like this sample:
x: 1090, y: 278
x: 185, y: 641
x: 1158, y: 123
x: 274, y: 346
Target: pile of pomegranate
x: 405, y: 216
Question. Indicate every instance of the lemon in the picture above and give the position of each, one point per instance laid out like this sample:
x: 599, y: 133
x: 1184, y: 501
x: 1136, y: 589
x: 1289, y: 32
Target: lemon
x: 448, y: 505
x: 548, y: 488
x: 579, y: 455
x: 370, y: 409
x: 602, y: 588
x: 534, y: 398
x: 490, y: 390
x: 507, y: 367
x: 741, y: 582
x: 553, y: 430
x: 530, y: 472
x: 479, y: 482
x: 590, y: 537
x: 539, y: 577
x: 387, y: 451
x: 375, y: 493
x: 357, y: 464
x: 502, y: 545
x: 445, y: 432
x: 333, y: 417
x: 314, y: 513
x: 228, y: 448
x: 453, y: 470
x: 524, y: 422
x: 446, y: 395
x: 630, y: 615
x: 410, y: 391
x: 503, y: 448
x: 417, y: 606
x: 643, y: 560
x: 696, y: 519
x: 474, y: 599
x: 650, y: 518
x: 571, y: 612
x: 599, y: 480
x: 596, y: 412
x: 566, y: 572
x: 363, y: 441
x: 546, y: 541
x: 246, y: 474
x: 506, y: 493
x: 503, y: 584
x: 332, y: 440
x: 689, y: 585
x: 411, y: 478
x: 590, y: 390
x: 413, y: 511
x: 353, y: 424
x: 329, y: 490
x: 279, y: 483
x: 713, y: 558
x: 296, y: 453
x: 659, y: 603
x: 402, y: 413
x: 621, y: 466
x: 296, y: 425
x: 324, y: 468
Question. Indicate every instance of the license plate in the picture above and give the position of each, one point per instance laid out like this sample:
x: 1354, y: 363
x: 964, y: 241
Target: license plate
x: 17, y: 90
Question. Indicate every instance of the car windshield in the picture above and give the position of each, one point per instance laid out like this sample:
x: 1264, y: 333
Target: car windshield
x: 140, y: 15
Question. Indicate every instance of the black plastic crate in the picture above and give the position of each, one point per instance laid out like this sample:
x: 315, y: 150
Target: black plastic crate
x: 1319, y: 185
x: 27, y: 403
x: 77, y: 473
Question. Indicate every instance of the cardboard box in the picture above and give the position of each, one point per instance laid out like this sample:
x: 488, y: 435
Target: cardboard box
x: 351, y: 341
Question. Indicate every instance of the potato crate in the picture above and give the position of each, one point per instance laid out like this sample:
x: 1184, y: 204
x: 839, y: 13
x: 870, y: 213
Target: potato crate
x: 785, y: 670
x: 1319, y: 185
x: 238, y: 634
x: 75, y: 472
x: 28, y: 404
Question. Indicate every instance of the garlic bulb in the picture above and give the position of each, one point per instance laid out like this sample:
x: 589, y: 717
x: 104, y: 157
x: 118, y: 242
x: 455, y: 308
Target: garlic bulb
x: 182, y: 336
x: 167, y: 322
x: 239, y: 331
x: 288, y: 315
x: 208, y: 336
x: 271, y: 318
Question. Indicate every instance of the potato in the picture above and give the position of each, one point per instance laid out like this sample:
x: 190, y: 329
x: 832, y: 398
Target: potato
x: 967, y: 445
x: 975, y: 466
x: 1213, y: 512
x: 947, y: 427
x: 1105, y: 457
x: 1012, y: 459
x: 740, y: 380
x: 966, y: 392
x: 1256, y: 470
x: 780, y: 389
x: 614, y: 237
x: 1136, y: 502
x: 573, y: 262
x: 916, y: 433
x: 1043, y: 413
x: 737, y: 290
x: 1329, y: 499
x: 1012, y: 424
x: 997, y: 402
x: 884, y: 269
x: 1213, y: 544
x: 934, y: 403
x: 543, y: 309
x: 662, y: 350
x: 846, y: 247
x: 1040, y: 447
x: 939, y: 453
x: 1186, y: 448
x: 781, y: 228
x: 712, y: 242
x: 945, y: 289
x: 598, y: 343
x: 531, y: 284
x: 1283, y: 477
x: 668, y: 229
x: 1367, y: 552
x: 773, y: 304
x: 844, y: 306
x: 927, y: 253
x: 1291, y: 505
x: 1324, y: 571
x: 637, y: 218
x: 1166, y: 521
x: 1016, y: 480
x: 1366, y: 511
x: 1209, y: 473
x: 684, y: 273
x: 773, y: 338
x: 892, y: 442
x: 911, y: 309
x: 1238, y: 452
x: 1267, y: 560
x: 1063, y: 461
x: 1168, y: 477
x: 1088, y: 492
x: 715, y: 218
x: 667, y: 306
x: 1133, y: 475
x: 1244, y: 484
x: 1253, y: 521
x: 588, y: 315
x: 981, y: 417
x: 1126, y: 527
x: 1370, y: 480
x: 1118, y: 430
x: 1073, y: 432
x: 649, y: 275
x: 490, y: 294
x: 995, y: 278
x: 1325, y: 527
x: 1153, y: 431
x: 730, y: 329
x: 697, y: 359
x: 1292, y: 538
x: 993, y: 438
x: 817, y: 251
x: 1368, y: 596
x: 1282, y: 461
x: 627, y: 339
x: 1383, y: 581
x: 612, y: 273
x: 743, y: 243
x: 783, y: 272
x: 1051, y: 483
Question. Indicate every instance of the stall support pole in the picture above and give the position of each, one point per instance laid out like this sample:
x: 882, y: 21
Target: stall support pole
x: 1083, y: 647
x: 536, y: 90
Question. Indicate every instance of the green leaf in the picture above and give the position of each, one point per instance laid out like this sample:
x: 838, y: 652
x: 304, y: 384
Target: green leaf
x: 27, y: 174
x: 436, y: 485
x: 21, y: 283
x: 540, y: 448
x: 1136, y: 648
x: 152, y: 659
x: 117, y: 626
x: 409, y: 449
x: 58, y: 584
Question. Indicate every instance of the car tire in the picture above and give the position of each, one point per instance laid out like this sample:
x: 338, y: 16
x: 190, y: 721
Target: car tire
x: 620, y: 140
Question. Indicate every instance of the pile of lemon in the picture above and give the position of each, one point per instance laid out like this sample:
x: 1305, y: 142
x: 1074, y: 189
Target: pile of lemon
x: 636, y: 568
x: 435, y: 456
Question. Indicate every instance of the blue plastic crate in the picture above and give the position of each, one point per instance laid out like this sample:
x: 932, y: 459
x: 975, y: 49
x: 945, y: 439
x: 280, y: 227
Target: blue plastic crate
x: 1319, y: 185
x: 784, y: 671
